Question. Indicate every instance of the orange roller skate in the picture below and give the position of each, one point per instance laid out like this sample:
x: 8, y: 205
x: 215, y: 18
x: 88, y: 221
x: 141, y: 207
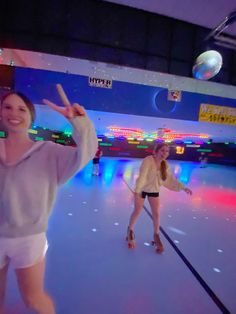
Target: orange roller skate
x: 130, y: 238
x: 157, y: 243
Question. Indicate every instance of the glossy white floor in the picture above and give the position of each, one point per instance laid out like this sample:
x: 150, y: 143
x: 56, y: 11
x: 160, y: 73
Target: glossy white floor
x: 91, y: 271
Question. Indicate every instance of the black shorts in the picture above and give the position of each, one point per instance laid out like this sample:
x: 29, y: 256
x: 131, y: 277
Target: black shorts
x: 152, y: 194
x: 95, y: 161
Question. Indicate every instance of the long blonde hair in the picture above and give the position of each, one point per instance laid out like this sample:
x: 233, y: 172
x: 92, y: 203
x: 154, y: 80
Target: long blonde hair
x: 163, y: 166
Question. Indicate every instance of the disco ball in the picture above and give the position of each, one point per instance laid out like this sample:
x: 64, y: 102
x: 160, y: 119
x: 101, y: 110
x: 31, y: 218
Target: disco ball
x: 207, y: 65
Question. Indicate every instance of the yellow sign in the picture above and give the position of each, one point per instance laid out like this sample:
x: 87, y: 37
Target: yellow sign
x: 179, y: 150
x: 217, y: 114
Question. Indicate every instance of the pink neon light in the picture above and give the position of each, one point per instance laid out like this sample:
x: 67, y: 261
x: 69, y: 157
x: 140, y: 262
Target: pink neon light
x: 137, y: 133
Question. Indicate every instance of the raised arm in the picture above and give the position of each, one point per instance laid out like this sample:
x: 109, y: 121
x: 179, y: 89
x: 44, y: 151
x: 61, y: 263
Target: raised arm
x: 71, y: 159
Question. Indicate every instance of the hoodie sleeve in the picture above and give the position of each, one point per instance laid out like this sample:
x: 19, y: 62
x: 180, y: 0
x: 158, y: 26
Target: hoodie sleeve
x: 68, y: 159
x: 171, y: 182
x: 142, y: 178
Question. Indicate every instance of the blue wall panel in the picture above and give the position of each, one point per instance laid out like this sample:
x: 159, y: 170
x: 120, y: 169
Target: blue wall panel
x: 125, y: 98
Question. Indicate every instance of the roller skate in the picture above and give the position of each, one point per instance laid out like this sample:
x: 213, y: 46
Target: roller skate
x: 130, y: 238
x: 157, y: 243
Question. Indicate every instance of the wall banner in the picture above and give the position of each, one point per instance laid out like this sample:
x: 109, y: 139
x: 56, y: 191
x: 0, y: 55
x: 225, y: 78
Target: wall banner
x: 217, y: 114
x: 97, y: 82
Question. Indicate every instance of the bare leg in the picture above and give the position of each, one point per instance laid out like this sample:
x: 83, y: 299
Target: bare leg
x: 3, y: 279
x: 31, y: 285
x: 138, y: 205
x: 155, y: 207
x: 96, y: 169
x: 93, y: 169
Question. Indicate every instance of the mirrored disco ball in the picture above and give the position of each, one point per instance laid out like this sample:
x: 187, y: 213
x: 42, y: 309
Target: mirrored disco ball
x: 207, y: 65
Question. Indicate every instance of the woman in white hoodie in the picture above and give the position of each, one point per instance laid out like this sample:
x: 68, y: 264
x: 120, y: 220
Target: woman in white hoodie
x: 30, y: 173
x: 154, y: 172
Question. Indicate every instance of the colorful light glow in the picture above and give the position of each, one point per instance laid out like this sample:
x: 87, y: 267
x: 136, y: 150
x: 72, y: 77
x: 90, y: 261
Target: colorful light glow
x: 31, y: 131
x: 214, y: 198
x: 167, y: 134
x: 105, y: 144
x: 216, y: 155
x: 133, y: 142
x: 179, y: 150
x: 142, y: 146
x: 204, y: 150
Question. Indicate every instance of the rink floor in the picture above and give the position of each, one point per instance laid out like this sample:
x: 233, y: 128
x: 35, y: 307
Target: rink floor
x: 91, y: 271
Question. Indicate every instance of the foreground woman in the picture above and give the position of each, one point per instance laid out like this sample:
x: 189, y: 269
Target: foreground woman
x: 30, y: 173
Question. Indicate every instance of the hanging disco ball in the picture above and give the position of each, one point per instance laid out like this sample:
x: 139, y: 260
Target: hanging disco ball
x: 207, y: 65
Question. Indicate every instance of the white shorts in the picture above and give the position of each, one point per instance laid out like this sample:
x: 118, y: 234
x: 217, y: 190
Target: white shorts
x: 23, y: 252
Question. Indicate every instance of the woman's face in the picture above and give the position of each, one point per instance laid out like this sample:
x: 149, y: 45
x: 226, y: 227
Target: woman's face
x: 163, y: 152
x: 15, y: 114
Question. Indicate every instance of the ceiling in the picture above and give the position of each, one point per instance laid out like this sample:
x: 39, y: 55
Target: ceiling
x: 207, y: 13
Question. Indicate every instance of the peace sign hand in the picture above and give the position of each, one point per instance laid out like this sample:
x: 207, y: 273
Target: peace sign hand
x: 70, y: 111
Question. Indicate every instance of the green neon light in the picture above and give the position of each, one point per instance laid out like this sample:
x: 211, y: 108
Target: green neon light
x: 2, y: 134
x: 60, y: 141
x: 204, y: 150
x: 105, y: 144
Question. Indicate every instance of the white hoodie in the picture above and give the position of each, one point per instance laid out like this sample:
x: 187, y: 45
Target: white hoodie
x: 28, y: 187
x: 149, y: 179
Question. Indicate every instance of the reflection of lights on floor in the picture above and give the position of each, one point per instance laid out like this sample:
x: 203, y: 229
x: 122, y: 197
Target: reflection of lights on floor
x: 70, y: 195
x: 176, y: 241
x: 147, y: 244
x: 196, y: 199
x: 116, y: 223
x: 194, y: 217
x: 178, y: 231
x: 69, y: 214
x: 206, y: 217
x: 94, y: 230
x: 219, y: 250
x: 217, y: 270
x: 169, y: 216
x: 84, y: 202
x: 95, y: 210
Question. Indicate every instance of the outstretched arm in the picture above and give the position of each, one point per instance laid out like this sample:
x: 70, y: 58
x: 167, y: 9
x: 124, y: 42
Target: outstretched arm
x: 173, y: 184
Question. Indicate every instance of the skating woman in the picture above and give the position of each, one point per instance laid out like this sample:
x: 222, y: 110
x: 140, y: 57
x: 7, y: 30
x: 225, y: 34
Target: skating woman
x: 154, y: 172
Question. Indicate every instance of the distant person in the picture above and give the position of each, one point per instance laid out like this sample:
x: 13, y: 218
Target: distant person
x: 203, y: 160
x: 154, y: 172
x: 96, y: 162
